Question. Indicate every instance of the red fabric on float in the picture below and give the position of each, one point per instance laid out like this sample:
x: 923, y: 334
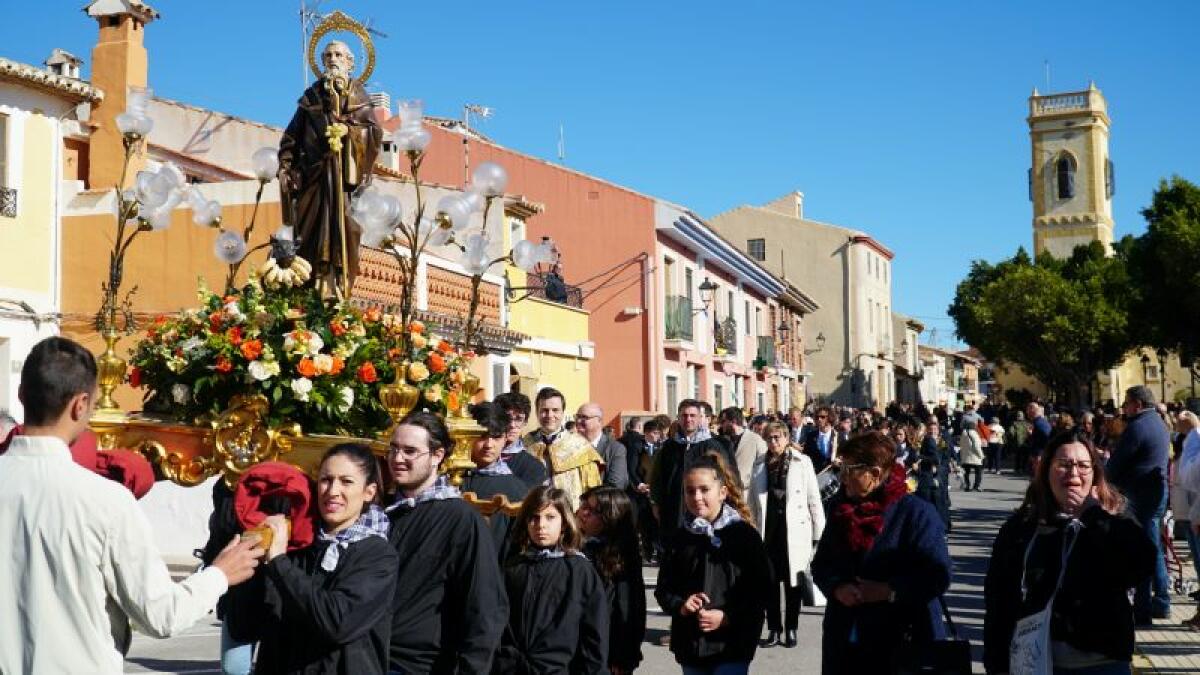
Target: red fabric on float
x: 127, y: 468
x: 274, y: 480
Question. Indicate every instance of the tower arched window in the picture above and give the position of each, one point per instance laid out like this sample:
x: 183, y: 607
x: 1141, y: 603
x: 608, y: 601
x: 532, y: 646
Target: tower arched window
x: 1064, y: 172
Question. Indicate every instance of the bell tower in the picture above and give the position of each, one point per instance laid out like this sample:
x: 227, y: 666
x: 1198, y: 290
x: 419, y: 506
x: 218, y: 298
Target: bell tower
x: 1071, y: 181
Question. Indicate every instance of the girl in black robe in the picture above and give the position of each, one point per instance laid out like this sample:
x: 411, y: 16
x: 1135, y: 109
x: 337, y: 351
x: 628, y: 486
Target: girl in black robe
x: 608, y: 524
x: 715, y: 580
x: 558, y: 611
x: 324, y: 607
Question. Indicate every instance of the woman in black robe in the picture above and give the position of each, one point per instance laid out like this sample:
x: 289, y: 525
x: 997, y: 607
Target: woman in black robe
x: 558, y: 611
x: 606, y: 519
x: 325, y: 607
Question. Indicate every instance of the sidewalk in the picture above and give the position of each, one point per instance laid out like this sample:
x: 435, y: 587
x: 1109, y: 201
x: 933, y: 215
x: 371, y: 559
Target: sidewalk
x: 1169, y: 647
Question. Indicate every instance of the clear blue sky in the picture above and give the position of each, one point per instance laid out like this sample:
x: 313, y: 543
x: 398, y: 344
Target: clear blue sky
x: 905, y: 120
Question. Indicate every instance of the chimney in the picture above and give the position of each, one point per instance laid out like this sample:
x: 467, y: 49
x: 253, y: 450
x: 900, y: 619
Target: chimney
x: 63, y: 63
x: 791, y: 204
x: 119, y: 61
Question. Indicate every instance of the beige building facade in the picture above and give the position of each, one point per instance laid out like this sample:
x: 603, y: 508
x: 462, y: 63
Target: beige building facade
x: 849, y: 350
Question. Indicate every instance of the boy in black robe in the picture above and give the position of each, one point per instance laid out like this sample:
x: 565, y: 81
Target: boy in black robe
x: 525, y: 466
x: 492, y: 476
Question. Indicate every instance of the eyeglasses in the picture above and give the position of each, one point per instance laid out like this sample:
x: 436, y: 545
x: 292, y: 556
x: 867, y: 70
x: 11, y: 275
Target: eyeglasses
x: 406, y: 453
x: 1066, y: 465
x: 584, y: 418
x: 856, y: 467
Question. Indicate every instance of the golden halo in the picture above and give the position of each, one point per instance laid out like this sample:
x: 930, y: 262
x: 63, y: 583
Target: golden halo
x: 339, y: 22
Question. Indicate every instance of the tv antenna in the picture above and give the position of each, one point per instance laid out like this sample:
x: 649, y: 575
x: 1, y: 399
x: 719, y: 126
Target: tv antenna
x: 482, y: 112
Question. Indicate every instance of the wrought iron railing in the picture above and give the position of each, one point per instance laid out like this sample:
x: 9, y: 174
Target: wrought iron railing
x: 556, y: 291
x: 678, y: 317
x: 8, y: 202
x: 725, y: 336
x: 766, y: 350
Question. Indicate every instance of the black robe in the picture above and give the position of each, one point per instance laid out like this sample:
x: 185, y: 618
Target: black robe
x: 449, y: 607
x: 558, y: 618
x: 527, y: 467
x: 736, y: 576
x: 313, y: 621
x: 485, y: 487
x: 626, y: 593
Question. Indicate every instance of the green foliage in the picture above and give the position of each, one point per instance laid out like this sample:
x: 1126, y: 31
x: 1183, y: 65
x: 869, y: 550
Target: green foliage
x: 1165, y: 269
x: 1062, y: 321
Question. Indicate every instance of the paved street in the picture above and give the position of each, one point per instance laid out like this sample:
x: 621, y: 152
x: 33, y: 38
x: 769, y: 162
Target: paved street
x: 977, y: 517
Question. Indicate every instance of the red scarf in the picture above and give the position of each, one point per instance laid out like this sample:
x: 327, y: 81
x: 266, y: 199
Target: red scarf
x: 862, y: 520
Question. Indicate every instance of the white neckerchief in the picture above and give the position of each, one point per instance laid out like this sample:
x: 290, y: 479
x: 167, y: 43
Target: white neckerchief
x: 729, y: 515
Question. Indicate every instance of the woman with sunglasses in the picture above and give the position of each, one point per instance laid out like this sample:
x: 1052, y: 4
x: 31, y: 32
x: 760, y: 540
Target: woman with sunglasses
x: 882, y: 562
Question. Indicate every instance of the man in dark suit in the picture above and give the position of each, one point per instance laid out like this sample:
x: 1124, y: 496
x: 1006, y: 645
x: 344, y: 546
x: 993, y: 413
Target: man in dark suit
x: 589, y: 423
x: 639, y: 455
x: 821, y: 445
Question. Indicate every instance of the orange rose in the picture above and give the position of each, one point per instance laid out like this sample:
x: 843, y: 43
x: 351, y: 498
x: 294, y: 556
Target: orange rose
x: 366, y: 373
x: 452, y: 401
x: 338, y: 364
x: 372, y: 315
x: 252, y: 349
x: 228, y: 299
x: 306, y: 367
x: 445, y: 347
x: 214, y: 320
x: 338, y: 327
x: 437, y: 364
x: 416, y: 327
x: 224, y: 365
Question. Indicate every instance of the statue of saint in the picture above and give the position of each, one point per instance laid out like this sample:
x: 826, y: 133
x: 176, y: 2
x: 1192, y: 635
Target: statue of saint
x: 327, y: 153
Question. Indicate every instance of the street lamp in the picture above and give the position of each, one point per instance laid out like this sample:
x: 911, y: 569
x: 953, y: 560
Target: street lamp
x: 1162, y: 371
x: 902, y: 350
x: 1145, y: 369
x: 707, y: 290
x: 820, y: 344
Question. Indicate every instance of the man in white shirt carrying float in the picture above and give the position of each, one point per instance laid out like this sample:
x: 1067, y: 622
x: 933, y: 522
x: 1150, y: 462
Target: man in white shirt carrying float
x: 79, y: 565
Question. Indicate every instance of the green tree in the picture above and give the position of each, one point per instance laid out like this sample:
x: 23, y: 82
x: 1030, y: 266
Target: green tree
x: 1062, y: 321
x: 1164, y: 267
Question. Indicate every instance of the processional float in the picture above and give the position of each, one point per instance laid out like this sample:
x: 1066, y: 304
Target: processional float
x: 287, y: 364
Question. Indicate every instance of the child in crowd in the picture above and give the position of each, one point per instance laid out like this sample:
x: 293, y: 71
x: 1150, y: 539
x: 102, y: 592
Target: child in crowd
x: 607, y: 522
x: 325, y: 607
x: 558, y: 612
x: 715, y: 578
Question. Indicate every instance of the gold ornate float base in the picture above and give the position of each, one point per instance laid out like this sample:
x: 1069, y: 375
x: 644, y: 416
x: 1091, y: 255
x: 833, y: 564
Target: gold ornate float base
x: 226, y: 446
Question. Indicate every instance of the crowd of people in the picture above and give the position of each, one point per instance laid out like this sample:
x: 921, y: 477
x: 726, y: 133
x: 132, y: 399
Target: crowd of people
x: 385, y: 567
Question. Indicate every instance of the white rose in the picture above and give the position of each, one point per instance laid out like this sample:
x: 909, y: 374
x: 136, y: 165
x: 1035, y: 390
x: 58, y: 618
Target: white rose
x: 263, y: 370
x: 347, y: 398
x: 179, y: 393
x: 301, y: 386
x: 234, y: 311
x: 191, y: 345
x: 323, y: 363
x: 315, y: 343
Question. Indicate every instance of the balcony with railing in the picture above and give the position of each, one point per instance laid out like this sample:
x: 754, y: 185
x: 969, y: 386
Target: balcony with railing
x: 766, y: 352
x: 678, y: 319
x: 8, y: 202
x: 548, y: 286
x: 725, y: 339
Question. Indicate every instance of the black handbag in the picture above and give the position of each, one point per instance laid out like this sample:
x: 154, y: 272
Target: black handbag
x: 951, y: 656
